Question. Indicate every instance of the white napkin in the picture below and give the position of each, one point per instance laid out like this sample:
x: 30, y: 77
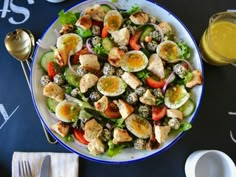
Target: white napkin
x: 62, y: 164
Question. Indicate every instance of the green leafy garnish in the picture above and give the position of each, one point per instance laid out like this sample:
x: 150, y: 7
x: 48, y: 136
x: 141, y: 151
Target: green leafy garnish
x: 113, y: 1
x: 159, y: 102
x: 84, y: 115
x: 100, y: 50
x: 185, y: 50
x: 114, y: 149
x: 84, y: 33
x: 67, y: 17
x: 143, y: 74
x: 134, y: 9
x: 120, y: 123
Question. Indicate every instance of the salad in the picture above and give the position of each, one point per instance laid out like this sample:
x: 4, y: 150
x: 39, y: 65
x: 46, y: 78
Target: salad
x: 118, y: 79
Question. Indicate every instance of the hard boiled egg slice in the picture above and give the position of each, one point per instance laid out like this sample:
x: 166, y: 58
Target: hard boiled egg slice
x: 70, y: 43
x: 169, y: 51
x: 67, y: 111
x: 111, y: 85
x: 176, y: 96
x: 138, y: 126
x: 134, y: 61
x: 113, y: 20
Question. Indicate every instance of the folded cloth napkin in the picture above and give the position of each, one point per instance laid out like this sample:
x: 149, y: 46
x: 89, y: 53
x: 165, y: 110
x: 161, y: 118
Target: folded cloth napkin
x: 62, y: 164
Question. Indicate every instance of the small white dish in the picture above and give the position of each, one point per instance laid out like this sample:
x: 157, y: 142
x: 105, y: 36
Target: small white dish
x: 55, y: 1
x: 209, y: 163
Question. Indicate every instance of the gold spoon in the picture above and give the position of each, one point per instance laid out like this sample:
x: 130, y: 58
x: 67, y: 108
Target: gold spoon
x: 20, y: 44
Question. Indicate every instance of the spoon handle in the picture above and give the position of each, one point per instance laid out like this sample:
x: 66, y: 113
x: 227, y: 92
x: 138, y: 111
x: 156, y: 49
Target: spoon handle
x: 50, y: 139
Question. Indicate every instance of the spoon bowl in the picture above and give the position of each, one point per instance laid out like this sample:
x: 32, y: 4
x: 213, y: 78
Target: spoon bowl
x: 19, y: 44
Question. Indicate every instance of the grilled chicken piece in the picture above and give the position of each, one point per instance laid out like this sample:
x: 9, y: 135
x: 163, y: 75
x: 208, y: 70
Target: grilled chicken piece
x: 161, y: 133
x: 115, y: 56
x: 124, y: 108
x: 92, y: 130
x: 87, y: 81
x: 96, y: 12
x: 197, y: 79
x: 139, y: 18
x: 96, y: 146
x: 148, y: 98
x: 84, y: 22
x: 61, y: 128
x: 165, y: 27
x: 121, y: 37
x: 89, y: 62
x: 120, y: 135
x: 131, y: 80
x: 101, y: 104
x: 155, y: 65
x: 174, y: 113
x: 54, y: 91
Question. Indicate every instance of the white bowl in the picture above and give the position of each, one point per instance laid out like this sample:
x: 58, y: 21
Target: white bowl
x: 209, y: 163
x: 129, y: 154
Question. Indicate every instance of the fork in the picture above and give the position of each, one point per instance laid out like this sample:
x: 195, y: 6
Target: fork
x: 24, y: 169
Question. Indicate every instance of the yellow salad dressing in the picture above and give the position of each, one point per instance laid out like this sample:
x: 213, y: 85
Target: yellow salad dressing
x: 218, y: 43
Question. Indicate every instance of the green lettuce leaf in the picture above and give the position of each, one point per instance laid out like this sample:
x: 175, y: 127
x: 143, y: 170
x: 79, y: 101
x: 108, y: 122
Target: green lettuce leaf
x: 67, y: 17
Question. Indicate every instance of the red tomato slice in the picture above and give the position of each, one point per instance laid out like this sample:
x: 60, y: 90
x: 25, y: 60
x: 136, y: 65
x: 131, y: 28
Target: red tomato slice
x: 158, y: 112
x: 52, y: 71
x: 133, y: 42
x: 154, y: 83
x: 104, y: 32
x: 112, y: 111
x: 79, y: 135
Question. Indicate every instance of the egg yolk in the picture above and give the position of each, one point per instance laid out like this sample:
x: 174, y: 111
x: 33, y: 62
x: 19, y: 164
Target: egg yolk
x: 70, y: 43
x: 68, y: 111
x: 135, y: 61
x: 113, y: 22
x: 170, y: 51
x: 110, y: 85
x: 176, y: 94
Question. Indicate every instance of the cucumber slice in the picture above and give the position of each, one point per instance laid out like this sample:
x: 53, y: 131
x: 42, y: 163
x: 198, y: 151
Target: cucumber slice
x: 146, y: 32
x: 105, y: 7
x: 107, y: 43
x: 71, y: 77
x: 187, y: 108
x: 46, y: 58
x: 52, y: 104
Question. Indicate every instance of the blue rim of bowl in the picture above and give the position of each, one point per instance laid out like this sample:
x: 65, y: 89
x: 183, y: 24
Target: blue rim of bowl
x: 138, y: 159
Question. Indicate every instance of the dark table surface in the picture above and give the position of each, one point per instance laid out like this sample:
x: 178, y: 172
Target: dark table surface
x: 23, y: 131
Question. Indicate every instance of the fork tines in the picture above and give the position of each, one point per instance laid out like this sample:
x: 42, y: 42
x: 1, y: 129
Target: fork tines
x: 24, y: 169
